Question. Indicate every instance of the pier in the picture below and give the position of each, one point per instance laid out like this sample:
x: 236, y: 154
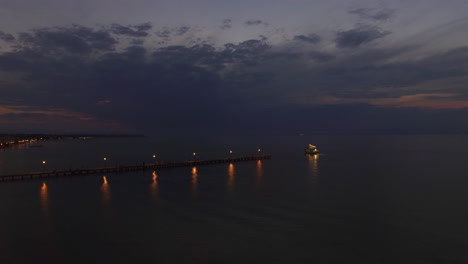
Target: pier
x: 119, y: 169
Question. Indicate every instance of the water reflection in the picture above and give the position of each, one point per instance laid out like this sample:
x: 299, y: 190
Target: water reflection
x: 231, y: 179
x: 313, y: 167
x: 154, y: 185
x: 259, y: 173
x: 105, y: 189
x: 44, y: 198
x: 194, y: 180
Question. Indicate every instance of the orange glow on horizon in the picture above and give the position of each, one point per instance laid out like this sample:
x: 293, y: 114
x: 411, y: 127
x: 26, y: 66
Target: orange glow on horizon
x: 422, y: 100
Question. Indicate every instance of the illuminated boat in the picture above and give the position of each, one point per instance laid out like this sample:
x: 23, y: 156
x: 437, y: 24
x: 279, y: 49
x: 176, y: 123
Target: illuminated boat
x: 311, y: 149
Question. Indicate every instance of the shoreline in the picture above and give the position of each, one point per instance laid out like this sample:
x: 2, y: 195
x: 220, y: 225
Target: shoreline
x: 12, y: 140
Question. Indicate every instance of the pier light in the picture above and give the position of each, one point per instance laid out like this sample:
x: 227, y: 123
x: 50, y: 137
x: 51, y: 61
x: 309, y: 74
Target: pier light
x: 105, y: 158
x: 230, y: 152
x: 194, y: 154
x: 154, y: 156
x: 258, y: 150
x: 43, y: 165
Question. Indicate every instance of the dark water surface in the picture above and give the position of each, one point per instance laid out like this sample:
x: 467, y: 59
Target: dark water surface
x: 366, y: 199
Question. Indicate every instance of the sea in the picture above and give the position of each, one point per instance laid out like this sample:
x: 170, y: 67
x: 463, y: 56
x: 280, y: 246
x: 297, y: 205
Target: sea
x: 365, y: 199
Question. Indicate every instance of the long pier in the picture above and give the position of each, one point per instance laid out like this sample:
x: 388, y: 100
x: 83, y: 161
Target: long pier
x: 118, y: 169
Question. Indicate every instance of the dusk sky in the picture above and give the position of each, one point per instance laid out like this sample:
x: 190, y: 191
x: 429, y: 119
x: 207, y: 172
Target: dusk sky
x: 317, y: 66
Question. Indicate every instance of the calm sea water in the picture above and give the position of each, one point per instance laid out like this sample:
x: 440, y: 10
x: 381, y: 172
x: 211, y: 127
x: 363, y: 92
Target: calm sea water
x: 366, y: 199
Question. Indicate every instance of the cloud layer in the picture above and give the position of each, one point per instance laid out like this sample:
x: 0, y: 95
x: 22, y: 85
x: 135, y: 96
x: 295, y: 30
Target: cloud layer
x: 146, y: 78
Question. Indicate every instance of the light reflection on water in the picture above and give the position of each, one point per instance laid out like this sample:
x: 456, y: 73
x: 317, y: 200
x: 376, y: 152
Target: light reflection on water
x: 154, y: 185
x: 259, y: 173
x: 313, y: 168
x: 44, y: 198
x: 194, y: 181
x: 342, y: 198
x: 105, y: 189
x: 231, y: 178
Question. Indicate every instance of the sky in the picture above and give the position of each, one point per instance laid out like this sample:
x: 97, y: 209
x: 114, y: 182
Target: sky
x: 234, y: 67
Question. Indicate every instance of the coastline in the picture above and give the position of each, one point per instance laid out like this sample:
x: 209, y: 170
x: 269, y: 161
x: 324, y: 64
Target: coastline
x: 12, y: 140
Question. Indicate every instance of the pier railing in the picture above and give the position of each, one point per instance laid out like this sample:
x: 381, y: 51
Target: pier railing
x: 117, y: 169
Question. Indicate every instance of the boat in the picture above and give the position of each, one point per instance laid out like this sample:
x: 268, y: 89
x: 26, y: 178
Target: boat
x: 311, y: 149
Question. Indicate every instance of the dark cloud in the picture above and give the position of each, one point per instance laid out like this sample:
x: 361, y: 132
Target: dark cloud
x: 368, y: 75
x: 76, y: 40
x: 143, y: 27
x: 285, y: 55
x: 6, y: 36
x: 164, y: 33
x: 195, y: 55
x: 182, y: 30
x: 138, y: 41
x: 320, y: 56
x: 247, y: 52
x: 373, y: 14
x: 173, y: 79
x: 196, y: 41
x: 128, y: 31
x: 103, y: 102
x: 255, y: 22
x: 311, y: 38
x: 17, y: 61
x: 226, y: 23
x: 190, y: 88
x: 358, y: 36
